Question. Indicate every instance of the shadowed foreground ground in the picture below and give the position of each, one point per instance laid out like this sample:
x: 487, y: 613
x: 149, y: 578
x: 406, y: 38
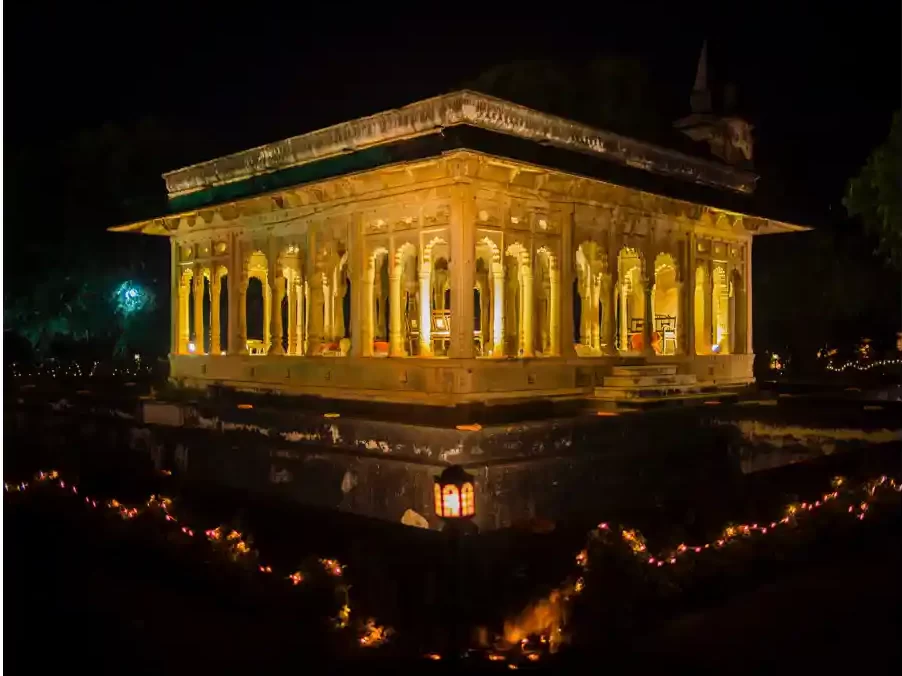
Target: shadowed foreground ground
x: 85, y: 594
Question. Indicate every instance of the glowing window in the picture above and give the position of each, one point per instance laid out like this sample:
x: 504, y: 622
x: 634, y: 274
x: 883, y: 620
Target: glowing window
x: 451, y: 502
x: 438, y: 500
x: 467, y: 508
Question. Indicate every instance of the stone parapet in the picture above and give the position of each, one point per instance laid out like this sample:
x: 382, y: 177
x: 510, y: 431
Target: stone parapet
x: 436, y: 382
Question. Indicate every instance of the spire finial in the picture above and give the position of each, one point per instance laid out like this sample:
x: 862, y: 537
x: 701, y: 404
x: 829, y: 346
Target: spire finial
x: 700, y: 100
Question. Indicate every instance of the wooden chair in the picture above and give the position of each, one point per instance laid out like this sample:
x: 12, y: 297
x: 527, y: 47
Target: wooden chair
x: 256, y: 347
x: 413, y: 334
x: 665, y: 325
x: 441, y: 328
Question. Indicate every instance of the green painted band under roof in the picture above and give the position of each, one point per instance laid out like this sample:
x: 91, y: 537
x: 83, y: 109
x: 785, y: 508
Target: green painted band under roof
x: 460, y: 138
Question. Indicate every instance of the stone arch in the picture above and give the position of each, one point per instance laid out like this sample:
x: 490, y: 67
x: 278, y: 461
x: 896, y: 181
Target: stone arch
x: 376, y: 295
x: 630, y: 299
x: 258, y: 304
x: 430, y: 247
x: 738, y: 314
x: 490, y: 280
x: 186, y: 282
x: 699, y: 304
x: 720, y: 309
x: 519, y: 296
x: 404, y: 301
x: 339, y: 308
x: 294, y: 303
x: 219, y: 310
x: 666, y: 305
x: 548, y: 294
x: 589, y: 312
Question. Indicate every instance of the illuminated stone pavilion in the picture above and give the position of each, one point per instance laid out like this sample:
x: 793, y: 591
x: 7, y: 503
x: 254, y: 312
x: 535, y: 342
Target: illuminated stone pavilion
x: 461, y: 249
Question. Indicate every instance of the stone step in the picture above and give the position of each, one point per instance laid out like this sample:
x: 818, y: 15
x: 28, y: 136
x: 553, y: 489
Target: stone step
x: 631, y: 393
x: 646, y: 403
x: 644, y: 370
x: 642, y: 380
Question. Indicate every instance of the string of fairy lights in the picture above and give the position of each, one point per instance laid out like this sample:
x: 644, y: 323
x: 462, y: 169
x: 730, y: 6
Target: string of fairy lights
x: 732, y: 533
x: 234, y: 543
x: 864, y: 367
x: 529, y: 648
x: 550, y: 636
x: 56, y: 370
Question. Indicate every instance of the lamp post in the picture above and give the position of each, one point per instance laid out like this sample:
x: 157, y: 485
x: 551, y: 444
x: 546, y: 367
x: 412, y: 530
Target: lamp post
x: 455, y: 505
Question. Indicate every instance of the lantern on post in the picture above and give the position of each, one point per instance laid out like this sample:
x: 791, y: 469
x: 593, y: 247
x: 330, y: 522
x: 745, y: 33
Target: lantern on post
x: 455, y: 505
x: 455, y: 496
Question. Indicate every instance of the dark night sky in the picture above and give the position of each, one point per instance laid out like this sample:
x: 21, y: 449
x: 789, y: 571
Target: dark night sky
x: 820, y: 84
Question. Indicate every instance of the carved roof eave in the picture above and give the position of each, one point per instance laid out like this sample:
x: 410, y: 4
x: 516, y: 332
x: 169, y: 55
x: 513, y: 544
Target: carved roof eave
x: 771, y: 227
x: 457, y: 108
x: 156, y: 226
x: 227, y: 213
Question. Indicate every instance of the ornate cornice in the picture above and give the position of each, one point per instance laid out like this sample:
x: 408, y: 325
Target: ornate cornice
x: 595, y: 202
x: 457, y: 108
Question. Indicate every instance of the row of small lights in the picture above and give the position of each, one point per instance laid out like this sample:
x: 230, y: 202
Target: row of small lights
x: 637, y: 544
x: 864, y: 367
x: 635, y: 541
x: 375, y: 634
x: 550, y: 636
x: 75, y: 370
x: 236, y: 545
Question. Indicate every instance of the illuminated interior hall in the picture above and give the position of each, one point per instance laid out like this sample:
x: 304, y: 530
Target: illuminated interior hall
x: 460, y: 249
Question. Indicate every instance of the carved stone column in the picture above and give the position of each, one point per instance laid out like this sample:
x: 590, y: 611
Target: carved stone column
x: 563, y: 339
x: 463, y: 269
x: 708, y: 337
x: 369, y: 313
x: 267, y: 312
x: 426, y: 310
x: 174, y: 297
x: 184, y: 328
x: 292, y: 313
x: 688, y: 298
x: 527, y: 339
x: 232, y: 279
x: 308, y: 322
x: 606, y: 344
x: 594, y: 328
x: 554, y: 309
x: 198, y: 310
x: 242, y: 283
x: 301, y: 314
x: 276, y: 314
x: 624, y: 319
x: 315, y: 319
x: 338, y: 306
x: 328, y: 304
x: 356, y: 273
x: 498, y: 310
x: 749, y: 345
x: 395, y: 342
x: 215, y: 290
x: 648, y: 323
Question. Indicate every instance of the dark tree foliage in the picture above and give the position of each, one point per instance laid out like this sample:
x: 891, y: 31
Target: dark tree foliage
x: 875, y: 194
x: 613, y: 93
x: 61, y: 267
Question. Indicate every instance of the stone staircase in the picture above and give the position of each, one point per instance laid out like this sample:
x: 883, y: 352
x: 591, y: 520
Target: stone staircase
x: 647, y: 384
